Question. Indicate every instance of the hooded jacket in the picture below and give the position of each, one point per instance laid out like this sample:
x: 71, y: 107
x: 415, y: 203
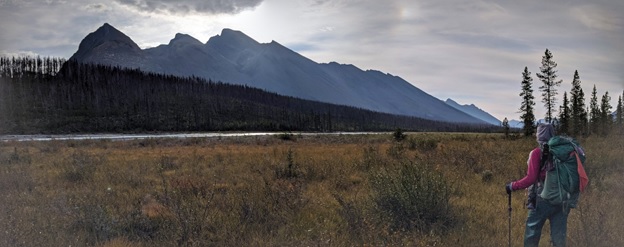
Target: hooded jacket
x: 534, y: 171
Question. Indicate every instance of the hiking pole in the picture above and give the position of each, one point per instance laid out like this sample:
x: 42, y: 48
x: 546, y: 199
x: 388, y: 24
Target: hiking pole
x: 509, y: 219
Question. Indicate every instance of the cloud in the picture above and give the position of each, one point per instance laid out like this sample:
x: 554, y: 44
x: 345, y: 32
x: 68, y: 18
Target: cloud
x: 597, y: 17
x: 18, y: 53
x: 96, y: 7
x: 188, y: 6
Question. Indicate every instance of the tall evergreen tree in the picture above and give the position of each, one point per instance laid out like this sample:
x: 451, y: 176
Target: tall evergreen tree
x: 619, y: 116
x: 594, y: 112
x: 526, y: 108
x: 564, y: 115
x: 548, y: 76
x: 621, y: 112
x: 506, y: 127
x: 578, y: 114
x: 606, y: 119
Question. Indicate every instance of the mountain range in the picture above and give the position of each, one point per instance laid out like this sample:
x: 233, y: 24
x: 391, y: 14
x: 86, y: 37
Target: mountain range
x: 235, y: 58
x: 474, y: 111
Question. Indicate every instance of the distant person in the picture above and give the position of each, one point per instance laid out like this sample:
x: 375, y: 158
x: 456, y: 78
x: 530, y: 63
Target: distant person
x: 539, y: 208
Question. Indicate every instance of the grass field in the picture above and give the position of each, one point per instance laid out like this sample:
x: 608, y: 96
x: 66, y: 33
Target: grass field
x: 431, y: 189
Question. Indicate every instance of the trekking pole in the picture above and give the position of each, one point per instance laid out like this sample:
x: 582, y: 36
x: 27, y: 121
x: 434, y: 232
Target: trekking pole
x: 509, y: 219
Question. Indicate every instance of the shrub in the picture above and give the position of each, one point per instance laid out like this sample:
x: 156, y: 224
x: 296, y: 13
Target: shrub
x: 81, y: 167
x: 412, y: 196
x: 353, y: 215
x: 271, y: 205
x: 423, y: 145
x: 291, y: 170
x: 486, y: 176
x: 286, y: 137
x: 167, y: 163
x: 370, y: 158
x: 17, y: 156
x: 396, y: 150
x: 398, y: 135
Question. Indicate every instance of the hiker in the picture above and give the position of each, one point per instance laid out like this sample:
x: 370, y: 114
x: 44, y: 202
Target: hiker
x: 542, y: 209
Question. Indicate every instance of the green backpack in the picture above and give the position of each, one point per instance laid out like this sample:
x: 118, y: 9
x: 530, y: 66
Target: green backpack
x: 565, y: 176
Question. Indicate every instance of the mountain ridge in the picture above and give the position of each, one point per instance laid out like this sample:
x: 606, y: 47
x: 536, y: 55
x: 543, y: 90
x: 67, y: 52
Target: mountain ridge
x: 236, y: 58
x: 474, y: 111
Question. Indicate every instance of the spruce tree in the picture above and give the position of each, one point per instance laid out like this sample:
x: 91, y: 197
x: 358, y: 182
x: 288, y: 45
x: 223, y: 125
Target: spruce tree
x: 594, y: 112
x: 621, y: 112
x: 506, y: 127
x: 564, y: 115
x: 578, y: 114
x: 526, y: 108
x: 619, y: 116
x: 548, y: 76
x: 605, y: 114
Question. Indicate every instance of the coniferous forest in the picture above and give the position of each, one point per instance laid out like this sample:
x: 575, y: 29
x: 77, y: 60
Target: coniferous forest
x: 51, y: 95
x: 575, y: 118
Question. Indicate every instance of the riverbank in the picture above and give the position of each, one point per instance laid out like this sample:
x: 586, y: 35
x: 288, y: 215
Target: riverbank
x: 163, y: 135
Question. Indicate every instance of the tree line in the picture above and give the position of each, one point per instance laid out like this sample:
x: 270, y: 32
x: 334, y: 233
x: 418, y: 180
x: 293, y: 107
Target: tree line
x: 575, y: 118
x: 51, y: 95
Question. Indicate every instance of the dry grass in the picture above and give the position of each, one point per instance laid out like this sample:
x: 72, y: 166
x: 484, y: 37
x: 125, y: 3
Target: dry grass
x: 267, y: 191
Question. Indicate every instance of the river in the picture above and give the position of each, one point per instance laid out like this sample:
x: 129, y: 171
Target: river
x: 6, y: 138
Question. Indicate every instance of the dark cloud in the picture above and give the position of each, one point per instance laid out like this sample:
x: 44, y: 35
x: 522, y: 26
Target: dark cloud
x: 186, y: 6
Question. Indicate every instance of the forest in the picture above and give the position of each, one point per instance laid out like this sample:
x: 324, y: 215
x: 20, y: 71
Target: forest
x: 52, y: 95
x: 574, y: 117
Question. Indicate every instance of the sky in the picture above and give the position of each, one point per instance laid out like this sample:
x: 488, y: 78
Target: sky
x: 473, y: 51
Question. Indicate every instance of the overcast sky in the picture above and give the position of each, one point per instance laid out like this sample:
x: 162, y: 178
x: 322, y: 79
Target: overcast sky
x: 471, y: 51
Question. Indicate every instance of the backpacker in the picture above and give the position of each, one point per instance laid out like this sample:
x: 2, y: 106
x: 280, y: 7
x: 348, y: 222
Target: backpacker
x: 565, y: 176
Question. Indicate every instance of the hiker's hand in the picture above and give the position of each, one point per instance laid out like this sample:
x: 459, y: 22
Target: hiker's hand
x: 508, y: 188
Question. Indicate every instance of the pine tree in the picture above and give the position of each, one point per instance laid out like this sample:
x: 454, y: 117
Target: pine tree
x: 578, y: 114
x: 605, y: 114
x: 564, y: 115
x: 506, y: 127
x: 619, y: 116
x: 526, y: 108
x: 621, y: 112
x: 594, y: 112
x: 549, y: 78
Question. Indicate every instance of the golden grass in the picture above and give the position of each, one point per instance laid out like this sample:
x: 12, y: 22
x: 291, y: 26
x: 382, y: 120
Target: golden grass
x: 263, y: 191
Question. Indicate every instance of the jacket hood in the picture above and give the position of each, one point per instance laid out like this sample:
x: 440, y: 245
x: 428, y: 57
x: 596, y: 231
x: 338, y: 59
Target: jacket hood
x: 545, y: 131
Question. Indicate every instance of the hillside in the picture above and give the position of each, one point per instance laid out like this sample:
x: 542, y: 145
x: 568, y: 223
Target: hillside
x: 474, y: 111
x: 87, y: 98
x: 235, y: 58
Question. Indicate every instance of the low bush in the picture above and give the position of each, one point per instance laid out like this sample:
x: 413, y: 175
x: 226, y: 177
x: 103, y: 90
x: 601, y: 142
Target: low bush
x: 398, y: 135
x: 412, y: 196
x: 81, y: 167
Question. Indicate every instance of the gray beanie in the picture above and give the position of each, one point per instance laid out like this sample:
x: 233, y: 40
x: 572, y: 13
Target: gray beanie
x: 544, y: 132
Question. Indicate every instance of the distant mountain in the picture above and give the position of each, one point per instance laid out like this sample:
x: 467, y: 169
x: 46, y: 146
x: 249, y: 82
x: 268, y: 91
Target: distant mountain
x: 234, y: 57
x: 474, y: 111
x: 516, y: 124
x: 520, y: 124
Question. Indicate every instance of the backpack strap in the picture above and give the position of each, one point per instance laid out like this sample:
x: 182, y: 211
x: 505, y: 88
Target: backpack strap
x: 545, y: 149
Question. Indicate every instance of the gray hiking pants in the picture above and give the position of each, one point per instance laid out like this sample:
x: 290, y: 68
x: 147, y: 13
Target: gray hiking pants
x: 537, y: 217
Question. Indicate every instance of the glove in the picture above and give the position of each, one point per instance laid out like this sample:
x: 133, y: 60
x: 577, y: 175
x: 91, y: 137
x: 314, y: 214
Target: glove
x: 508, y: 188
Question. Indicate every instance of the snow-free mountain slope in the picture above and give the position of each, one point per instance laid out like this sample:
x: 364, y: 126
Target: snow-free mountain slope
x: 234, y: 57
x: 474, y: 111
x: 516, y: 124
x: 108, y: 45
